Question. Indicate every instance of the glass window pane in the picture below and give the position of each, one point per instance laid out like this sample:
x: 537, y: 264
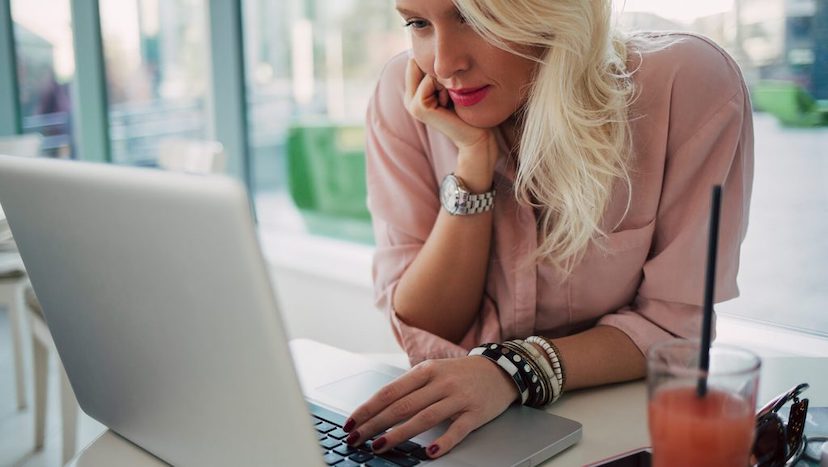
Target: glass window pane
x: 314, y: 63
x: 782, y: 48
x: 157, y: 75
x: 45, y: 69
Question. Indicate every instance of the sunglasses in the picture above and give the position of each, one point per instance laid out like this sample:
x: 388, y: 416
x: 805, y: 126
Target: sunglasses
x: 778, y: 443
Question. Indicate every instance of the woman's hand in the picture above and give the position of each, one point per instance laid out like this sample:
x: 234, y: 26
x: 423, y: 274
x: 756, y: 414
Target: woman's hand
x: 429, y: 103
x: 469, y: 391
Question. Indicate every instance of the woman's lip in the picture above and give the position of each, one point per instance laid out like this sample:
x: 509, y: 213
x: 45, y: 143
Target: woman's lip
x: 469, y: 96
x: 467, y: 90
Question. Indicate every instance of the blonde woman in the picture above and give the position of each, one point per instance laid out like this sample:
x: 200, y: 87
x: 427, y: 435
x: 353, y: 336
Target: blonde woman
x: 588, y: 158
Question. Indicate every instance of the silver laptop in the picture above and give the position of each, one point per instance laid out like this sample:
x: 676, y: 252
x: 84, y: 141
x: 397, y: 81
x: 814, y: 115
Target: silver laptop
x: 161, y: 307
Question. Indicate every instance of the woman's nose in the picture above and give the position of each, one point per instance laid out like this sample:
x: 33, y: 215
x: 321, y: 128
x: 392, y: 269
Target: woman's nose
x: 450, y: 57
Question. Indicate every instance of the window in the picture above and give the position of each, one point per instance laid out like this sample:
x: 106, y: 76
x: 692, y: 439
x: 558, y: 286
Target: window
x: 157, y: 74
x: 782, y: 274
x: 314, y: 64
x: 45, y: 69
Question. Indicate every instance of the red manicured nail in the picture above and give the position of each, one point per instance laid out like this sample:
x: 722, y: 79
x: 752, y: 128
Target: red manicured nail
x: 349, y: 425
x: 432, y: 450
x: 352, y: 438
x: 378, y: 443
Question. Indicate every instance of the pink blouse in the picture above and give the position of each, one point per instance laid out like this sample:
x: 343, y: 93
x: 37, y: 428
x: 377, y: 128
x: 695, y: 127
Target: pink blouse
x: 691, y: 128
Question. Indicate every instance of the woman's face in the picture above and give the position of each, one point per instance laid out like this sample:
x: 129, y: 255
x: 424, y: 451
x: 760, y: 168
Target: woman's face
x: 486, y: 84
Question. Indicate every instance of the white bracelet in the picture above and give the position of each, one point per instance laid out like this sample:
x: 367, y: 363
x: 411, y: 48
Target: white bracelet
x: 554, y: 360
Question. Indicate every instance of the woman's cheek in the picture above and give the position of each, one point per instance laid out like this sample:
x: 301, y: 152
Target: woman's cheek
x: 424, y: 60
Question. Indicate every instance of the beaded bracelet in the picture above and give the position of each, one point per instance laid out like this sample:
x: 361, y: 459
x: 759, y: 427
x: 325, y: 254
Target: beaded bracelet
x: 504, y: 358
x: 554, y: 360
x: 540, y: 391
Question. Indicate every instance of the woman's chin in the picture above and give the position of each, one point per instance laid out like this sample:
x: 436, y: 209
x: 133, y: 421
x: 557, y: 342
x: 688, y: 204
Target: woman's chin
x: 479, y: 118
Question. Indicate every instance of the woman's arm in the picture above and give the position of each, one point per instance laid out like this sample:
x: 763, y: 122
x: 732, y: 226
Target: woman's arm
x: 471, y: 391
x: 442, y: 289
x: 599, y: 355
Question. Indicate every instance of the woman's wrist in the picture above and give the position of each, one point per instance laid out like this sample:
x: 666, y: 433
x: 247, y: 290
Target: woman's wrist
x: 476, y: 164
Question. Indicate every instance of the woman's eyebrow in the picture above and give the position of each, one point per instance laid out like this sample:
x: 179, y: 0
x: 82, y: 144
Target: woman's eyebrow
x: 403, y: 11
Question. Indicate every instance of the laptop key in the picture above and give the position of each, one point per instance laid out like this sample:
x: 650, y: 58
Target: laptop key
x: 345, y: 450
x: 399, y: 458
x: 361, y: 457
x: 347, y: 463
x: 408, y: 447
x: 329, y: 443
x: 420, y: 453
x: 321, y: 436
x: 325, y: 427
x: 332, y: 458
x: 380, y: 462
x: 338, y: 433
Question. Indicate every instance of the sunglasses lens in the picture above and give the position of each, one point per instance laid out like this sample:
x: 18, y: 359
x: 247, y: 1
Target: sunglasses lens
x: 796, y: 424
x: 770, y: 447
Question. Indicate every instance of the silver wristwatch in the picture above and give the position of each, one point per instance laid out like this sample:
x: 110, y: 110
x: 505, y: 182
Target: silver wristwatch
x: 458, y: 201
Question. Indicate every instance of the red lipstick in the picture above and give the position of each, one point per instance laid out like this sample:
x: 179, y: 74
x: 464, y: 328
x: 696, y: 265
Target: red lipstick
x: 468, y: 97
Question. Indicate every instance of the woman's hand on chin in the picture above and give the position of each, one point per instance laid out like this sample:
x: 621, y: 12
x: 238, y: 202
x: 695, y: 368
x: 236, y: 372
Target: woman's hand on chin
x: 430, y: 103
x: 469, y: 391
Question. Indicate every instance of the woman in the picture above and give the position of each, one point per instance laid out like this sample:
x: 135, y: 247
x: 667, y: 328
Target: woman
x: 590, y: 158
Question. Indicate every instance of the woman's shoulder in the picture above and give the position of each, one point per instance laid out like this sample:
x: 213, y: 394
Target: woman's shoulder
x: 390, y: 89
x: 684, y: 63
x: 682, y: 81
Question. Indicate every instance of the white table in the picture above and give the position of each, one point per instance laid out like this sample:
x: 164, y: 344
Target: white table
x: 614, y: 417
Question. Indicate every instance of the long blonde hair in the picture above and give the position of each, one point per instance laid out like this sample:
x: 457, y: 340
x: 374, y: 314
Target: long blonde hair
x: 575, y: 139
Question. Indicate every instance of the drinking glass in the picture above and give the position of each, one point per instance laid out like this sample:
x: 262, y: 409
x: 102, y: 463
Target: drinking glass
x: 690, y: 430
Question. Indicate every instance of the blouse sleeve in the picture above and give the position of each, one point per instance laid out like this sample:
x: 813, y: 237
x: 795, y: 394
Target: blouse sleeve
x: 710, y: 142
x: 404, y: 205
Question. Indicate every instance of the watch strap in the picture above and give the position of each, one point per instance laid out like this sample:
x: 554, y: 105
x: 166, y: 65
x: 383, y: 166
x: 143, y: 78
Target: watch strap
x: 482, y: 202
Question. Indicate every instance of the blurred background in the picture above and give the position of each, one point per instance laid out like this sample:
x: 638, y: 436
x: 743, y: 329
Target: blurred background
x: 273, y: 92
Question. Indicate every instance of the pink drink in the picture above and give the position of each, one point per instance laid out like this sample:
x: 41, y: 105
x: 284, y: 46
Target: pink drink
x: 713, y: 431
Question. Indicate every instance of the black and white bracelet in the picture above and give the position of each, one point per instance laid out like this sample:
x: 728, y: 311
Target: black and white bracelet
x: 511, y: 362
x: 539, y: 389
x: 545, y: 370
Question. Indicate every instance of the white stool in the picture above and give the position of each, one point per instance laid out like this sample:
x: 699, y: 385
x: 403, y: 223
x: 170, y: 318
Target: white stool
x: 42, y: 347
x: 13, y: 282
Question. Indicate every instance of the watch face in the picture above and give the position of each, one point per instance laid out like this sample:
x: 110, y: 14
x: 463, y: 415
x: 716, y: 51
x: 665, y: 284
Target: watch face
x: 448, y: 194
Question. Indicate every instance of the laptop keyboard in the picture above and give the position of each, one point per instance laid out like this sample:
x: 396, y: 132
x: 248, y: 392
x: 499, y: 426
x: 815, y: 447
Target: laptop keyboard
x: 338, y: 453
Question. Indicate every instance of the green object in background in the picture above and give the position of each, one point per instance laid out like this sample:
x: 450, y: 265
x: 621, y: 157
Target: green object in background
x: 789, y: 103
x: 326, y: 178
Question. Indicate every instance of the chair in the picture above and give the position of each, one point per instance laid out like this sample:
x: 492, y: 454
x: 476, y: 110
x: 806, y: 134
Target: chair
x: 12, y: 274
x: 13, y: 282
x: 789, y: 103
x: 42, y: 347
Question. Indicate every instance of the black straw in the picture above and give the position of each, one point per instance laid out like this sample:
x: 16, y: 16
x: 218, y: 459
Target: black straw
x: 709, y: 289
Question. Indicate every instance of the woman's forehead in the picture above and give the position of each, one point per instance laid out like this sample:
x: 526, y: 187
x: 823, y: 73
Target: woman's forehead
x: 422, y: 7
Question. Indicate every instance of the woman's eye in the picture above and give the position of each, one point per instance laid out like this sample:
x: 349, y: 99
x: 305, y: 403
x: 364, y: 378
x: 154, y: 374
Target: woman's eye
x: 416, y: 24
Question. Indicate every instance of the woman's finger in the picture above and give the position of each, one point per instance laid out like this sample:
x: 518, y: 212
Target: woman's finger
x: 425, y: 98
x: 403, y: 409
x: 427, y: 418
x: 412, y: 380
x: 457, y: 431
x: 443, y: 98
x: 413, y: 76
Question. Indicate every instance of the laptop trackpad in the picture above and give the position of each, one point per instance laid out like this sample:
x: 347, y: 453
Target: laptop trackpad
x: 350, y: 392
